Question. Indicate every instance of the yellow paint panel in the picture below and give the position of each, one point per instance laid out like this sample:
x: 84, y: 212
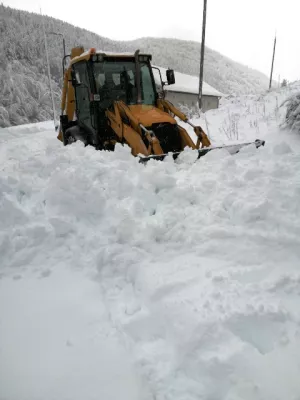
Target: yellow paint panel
x: 148, y: 115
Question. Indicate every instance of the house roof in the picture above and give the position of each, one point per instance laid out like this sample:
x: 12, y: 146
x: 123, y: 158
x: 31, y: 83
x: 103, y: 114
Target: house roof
x: 187, y: 84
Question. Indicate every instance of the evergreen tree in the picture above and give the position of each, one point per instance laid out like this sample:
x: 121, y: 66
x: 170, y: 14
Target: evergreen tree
x: 292, y: 118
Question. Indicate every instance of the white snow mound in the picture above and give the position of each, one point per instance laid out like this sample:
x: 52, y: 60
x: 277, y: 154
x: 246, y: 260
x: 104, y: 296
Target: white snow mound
x: 161, y: 281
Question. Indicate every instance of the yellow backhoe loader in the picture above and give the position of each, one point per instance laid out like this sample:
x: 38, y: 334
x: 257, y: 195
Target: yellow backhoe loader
x: 111, y: 98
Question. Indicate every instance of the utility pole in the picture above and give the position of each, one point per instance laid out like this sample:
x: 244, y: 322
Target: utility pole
x: 202, y: 54
x: 49, y: 74
x: 271, y: 75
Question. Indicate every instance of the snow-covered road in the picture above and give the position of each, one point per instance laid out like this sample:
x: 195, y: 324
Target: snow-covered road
x: 57, y: 341
x: 167, y: 281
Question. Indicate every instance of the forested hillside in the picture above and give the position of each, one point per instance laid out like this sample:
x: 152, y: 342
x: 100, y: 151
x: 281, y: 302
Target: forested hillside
x: 24, y: 95
x: 220, y: 72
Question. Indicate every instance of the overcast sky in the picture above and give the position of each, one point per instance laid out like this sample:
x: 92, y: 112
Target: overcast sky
x: 240, y: 29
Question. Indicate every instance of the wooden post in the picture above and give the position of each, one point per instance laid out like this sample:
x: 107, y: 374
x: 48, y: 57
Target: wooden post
x: 271, y: 75
x: 202, y: 54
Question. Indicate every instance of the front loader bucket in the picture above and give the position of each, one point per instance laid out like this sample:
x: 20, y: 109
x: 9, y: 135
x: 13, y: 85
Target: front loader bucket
x: 232, y: 149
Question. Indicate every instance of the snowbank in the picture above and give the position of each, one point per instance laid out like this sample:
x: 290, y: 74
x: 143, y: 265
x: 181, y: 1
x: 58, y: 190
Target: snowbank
x: 166, y: 281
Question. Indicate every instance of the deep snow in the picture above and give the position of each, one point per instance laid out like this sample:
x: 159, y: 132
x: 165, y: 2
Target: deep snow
x: 165, y: 281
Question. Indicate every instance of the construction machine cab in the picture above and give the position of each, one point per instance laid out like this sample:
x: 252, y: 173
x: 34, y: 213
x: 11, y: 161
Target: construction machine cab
x: 120, y: 80
x: 114, y: 83
x: 96, y: 81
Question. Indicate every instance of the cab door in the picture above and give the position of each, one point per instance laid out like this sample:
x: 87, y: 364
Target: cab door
x: 83, y: 95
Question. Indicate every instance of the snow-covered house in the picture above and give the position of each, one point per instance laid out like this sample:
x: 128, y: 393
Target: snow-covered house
x: 185, y: 91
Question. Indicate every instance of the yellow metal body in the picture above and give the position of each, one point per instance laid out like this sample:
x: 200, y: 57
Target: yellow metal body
x: 136, y: 116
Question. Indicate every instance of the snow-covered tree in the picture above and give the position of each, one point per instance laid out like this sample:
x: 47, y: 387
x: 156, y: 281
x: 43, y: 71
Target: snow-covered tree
x: 292, y: 118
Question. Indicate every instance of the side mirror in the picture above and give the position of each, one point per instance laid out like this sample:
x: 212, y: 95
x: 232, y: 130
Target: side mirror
x: 170, y: 76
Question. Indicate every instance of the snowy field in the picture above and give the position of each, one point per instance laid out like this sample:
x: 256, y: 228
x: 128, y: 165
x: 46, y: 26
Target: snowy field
x: 170, y: 281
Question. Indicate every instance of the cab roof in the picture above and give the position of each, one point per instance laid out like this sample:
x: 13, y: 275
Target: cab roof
x: 86, y: 55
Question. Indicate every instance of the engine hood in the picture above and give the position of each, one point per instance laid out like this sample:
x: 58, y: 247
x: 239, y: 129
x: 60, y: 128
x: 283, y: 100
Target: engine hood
x: 148, y: 115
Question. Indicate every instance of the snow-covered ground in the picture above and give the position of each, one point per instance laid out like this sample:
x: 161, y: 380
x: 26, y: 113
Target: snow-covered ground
x: 167, y: 281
